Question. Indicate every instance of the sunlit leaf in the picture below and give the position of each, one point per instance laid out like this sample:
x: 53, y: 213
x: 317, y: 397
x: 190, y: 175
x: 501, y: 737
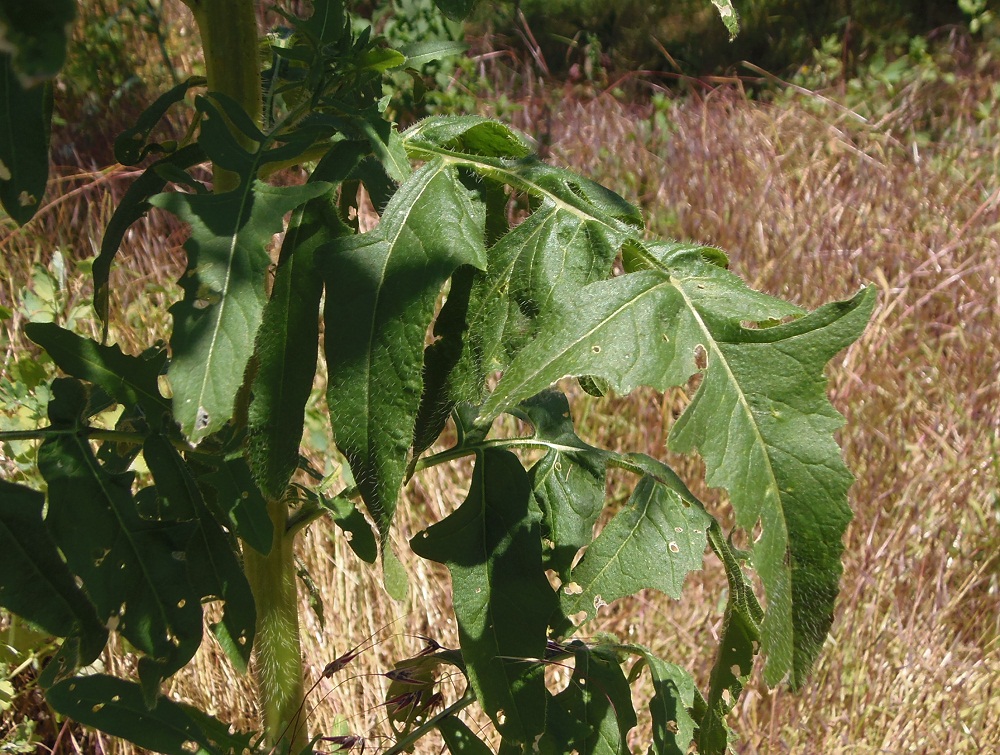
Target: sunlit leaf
x: 381, y: 291
x: 216, y: 323
x: 654, y: 541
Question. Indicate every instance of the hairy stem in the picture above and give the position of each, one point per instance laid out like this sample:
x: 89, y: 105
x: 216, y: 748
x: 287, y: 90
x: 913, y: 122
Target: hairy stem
x: 277, y: 652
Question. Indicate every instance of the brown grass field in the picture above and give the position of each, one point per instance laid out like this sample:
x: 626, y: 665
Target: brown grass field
x: 810, y: 203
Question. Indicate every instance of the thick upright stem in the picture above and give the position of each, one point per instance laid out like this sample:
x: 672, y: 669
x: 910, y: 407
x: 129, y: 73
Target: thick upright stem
x: 228, y: 30
x: 277, y: 652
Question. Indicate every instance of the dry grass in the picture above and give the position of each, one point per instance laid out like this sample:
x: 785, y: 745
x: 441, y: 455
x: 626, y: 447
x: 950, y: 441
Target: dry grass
x: 810, y: 205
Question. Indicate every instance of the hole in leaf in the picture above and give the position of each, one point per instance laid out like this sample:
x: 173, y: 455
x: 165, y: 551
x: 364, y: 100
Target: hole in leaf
x: 700, y: 357
x: 674, y: 548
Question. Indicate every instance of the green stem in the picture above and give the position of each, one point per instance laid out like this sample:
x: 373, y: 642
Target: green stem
x: 277, y: 651
x: 228, y: 30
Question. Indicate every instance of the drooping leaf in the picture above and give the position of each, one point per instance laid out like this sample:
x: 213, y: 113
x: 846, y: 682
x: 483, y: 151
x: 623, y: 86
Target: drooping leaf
x: 571, y: 239
x: 460, y: 739
x: 213, y: 564
x: 130, y: 380
x: 594, y: 714
x: 381, y: 290
x: 25, y: 115
x: 654, y: 541
x: 35, y: 583
x: 458, y: 10
x: 287, y: 348
x: 353, y: 524
x: 762, y: 421
x: 492, y: 547
x: 133, y: 205
x: 775, y: 453
x: 35, y: 34
x: 673, y: 700
x: 128, y: 565
x: 239, y: 503
x: 216, y: 323
x: 132, y: 145
x: 568, y: 483
x: 117, y: 707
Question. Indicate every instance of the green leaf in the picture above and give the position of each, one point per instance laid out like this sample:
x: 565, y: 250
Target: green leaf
x: 288, y: 340
x: 458, y: 10
x: 594, y: 714
x: 421, y: 53
x: 132, y: 145
x: 213, y: 564
x: 35, y: 34
x: 117, y: 707
x: 492, y: 547
x: 35, y: 583
x: 654, y: 541
x: 764, y: 425
x: 729, y: 16
x: 25, y: 115
x: 671, y: 705
x: 460, y: 739
x: 239, y: 503
x: 570, y: 240
x: 381, y: 291
x: 133, y: 205
x: 355, y: 527
x: 568, y: 483
x: 217, y: 321
x: 130, y: 380
x: 128, y: 565
x: 773, y: 448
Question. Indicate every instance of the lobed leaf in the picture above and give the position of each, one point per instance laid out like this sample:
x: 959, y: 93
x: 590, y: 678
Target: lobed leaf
x: 130, y: 380
x: 652, y: 542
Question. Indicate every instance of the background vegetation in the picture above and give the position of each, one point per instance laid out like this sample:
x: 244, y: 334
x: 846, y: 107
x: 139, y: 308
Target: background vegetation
x: 870, y: 153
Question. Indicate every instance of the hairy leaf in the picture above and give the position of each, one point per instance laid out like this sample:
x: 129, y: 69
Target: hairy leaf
x: 762, y: 421
x: 24, y: 141
x: 381, y: 290
x: 216, y: 323
x: 288, y: 341
x: 491, y: 545
x: 35, y: 582
x: 118, y: 708
x: 729, y: 16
